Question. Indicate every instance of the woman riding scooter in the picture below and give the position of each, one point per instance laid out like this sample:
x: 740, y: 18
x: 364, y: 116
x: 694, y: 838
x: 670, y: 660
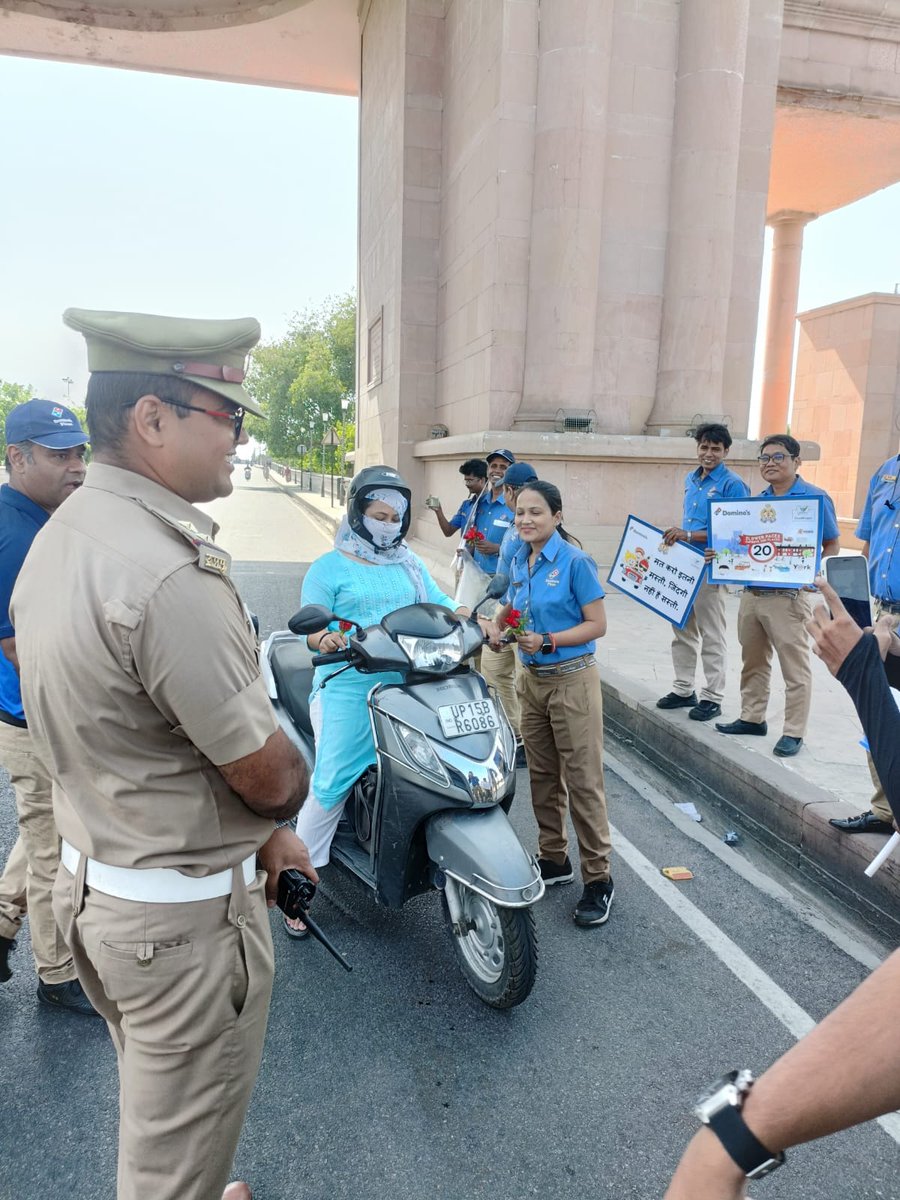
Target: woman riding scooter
x: 370, y: 572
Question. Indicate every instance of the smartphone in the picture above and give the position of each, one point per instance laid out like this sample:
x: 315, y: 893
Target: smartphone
x: 848, y: 574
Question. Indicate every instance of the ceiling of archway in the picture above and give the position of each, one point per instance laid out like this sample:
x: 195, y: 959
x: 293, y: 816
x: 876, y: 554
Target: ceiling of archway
x: 158, y: 16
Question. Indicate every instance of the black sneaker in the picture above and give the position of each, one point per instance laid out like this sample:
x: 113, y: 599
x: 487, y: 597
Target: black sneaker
x: 595, y: 903
x: 552, y: 872
x: 673, y: 700
x: 69, y: 996
x: 7, y: 945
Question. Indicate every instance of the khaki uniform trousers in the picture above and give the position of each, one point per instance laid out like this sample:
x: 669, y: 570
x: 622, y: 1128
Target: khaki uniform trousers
x: 499, y: 671
x: 185, y: 992
x: 562, y: 731
x: 776, y: 620
x: 704, y: 632
x: 26, y: 884
x: 879, y: 804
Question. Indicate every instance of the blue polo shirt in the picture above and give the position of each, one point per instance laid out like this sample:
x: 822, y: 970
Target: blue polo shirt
x: 492, y: 519
x: 553, y: 595
x: 718, y: 484
x: 508, y: 547
x: 800, y: 487
x: 20, y: 520
x: 880, y: 527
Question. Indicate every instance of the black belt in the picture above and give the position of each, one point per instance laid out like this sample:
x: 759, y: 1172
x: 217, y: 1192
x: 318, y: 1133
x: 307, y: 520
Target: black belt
x: 759, y: 591
x: 566, y: 667
x: 888, y: 606
x: 9, y: 719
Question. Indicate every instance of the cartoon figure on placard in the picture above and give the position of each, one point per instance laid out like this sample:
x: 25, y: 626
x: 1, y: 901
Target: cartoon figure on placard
x: 767, y: 514
x: 635, y: 566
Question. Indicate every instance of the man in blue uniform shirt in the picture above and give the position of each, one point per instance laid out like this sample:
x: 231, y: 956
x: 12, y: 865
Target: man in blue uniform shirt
x: 474, y: 473
x: 879, y: 530
x: 45, y: 448
x: 704, y: 630
x: 775, y: 618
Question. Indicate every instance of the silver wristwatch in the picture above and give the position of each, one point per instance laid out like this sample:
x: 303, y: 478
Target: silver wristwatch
x: 720, y: 1109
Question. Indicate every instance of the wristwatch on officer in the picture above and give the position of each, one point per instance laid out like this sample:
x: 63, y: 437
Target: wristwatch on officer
x: 547, y: 644
x: 720, y: 1109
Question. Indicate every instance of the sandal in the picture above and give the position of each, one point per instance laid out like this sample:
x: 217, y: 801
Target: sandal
x: 293, y: 932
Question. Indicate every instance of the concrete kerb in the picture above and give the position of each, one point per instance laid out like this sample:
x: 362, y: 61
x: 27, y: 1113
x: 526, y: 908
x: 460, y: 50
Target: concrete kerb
x: 779, y: 808
x: 768, y: 799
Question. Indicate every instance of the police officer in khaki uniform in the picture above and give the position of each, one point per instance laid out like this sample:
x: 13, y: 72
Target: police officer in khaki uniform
x: 142, y: 689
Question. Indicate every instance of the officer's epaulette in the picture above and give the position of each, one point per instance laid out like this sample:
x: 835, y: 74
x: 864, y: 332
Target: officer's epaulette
x: 210, y: 557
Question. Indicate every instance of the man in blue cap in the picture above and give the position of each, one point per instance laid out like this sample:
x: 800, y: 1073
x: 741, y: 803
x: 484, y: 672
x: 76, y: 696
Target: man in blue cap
x: 45, y: 449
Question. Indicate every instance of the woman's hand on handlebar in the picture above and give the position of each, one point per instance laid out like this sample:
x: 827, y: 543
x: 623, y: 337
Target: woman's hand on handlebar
x: 492, y: 633
x: 327, y: 642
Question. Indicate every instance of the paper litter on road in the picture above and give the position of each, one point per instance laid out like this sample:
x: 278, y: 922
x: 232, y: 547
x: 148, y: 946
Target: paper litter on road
x: 690, y: 809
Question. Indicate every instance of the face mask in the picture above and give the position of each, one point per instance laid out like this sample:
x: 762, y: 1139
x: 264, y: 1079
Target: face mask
x: 384, y: 533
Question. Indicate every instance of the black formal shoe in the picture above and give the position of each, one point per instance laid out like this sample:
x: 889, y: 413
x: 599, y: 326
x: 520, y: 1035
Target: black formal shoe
x: 787, y: 746
x: 595, y: 903
x: 69, y: 996
x: 705, y: 711
x: 297, y: 934
x: 552, y: 872
x: 673, y: 700
x: 7, y: 945
x: 866, y: 822
x: 756, y: 728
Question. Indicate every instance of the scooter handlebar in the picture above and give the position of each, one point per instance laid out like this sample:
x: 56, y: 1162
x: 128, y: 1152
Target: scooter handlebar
x: 336, y: 656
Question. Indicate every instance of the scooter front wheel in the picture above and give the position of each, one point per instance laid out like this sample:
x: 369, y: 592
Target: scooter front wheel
x: 496, y: 947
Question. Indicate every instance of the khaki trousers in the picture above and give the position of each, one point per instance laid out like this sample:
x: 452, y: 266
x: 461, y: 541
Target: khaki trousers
x: 499, y: 671
x: 562, y: 731
x: 185, y: 992
x: 879, y: 804
x: 704, y: 633
x: 27, y: 880
x: 776, y: 621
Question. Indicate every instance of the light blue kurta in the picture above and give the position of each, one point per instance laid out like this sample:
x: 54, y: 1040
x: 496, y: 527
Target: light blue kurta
x: 364, y: 593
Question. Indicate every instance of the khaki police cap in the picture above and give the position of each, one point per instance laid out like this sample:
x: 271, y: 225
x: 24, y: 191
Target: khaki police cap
x: 211, y: 354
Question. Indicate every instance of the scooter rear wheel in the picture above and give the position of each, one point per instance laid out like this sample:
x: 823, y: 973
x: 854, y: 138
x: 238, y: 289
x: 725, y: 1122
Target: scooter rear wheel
x: 497, y: 952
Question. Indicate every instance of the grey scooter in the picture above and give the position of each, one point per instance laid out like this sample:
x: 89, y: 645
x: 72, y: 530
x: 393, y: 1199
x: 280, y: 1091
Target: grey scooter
x: 432, y: 812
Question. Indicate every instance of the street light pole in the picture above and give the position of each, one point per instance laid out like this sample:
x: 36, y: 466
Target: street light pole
x: 68, y: 381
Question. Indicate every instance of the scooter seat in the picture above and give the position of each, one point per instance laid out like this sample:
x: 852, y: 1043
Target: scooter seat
x: 293, y: 670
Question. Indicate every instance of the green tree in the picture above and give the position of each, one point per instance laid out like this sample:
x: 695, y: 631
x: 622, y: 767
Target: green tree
x: 301, y: 381
x: 11, y: 394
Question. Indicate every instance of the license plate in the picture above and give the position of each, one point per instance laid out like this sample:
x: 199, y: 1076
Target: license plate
x: 474, y: 716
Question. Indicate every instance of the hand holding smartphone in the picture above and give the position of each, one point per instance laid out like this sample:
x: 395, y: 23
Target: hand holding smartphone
x: 848, y: 574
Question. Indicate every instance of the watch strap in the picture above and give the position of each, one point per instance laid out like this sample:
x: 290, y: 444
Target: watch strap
x: 742, y: 1144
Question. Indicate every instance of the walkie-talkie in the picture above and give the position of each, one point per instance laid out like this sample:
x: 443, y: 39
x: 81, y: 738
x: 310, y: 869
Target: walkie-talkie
x: 295, y: 894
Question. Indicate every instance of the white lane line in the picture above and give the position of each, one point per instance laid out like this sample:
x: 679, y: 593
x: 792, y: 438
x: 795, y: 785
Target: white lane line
x: 841, y: 935
x: 796, y: 1020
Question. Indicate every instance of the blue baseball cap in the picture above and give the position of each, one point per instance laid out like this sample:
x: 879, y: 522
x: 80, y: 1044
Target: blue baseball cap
x: 507, y: 454
x: 519, y: 474
x: 47, y: 424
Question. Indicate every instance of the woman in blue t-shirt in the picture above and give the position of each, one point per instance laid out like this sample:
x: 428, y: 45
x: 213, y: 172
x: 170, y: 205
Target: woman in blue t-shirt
x: 555, y: 607
x: 370, y: 572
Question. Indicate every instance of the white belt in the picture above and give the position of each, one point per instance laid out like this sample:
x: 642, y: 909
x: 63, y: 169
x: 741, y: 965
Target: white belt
x: 153, y: 885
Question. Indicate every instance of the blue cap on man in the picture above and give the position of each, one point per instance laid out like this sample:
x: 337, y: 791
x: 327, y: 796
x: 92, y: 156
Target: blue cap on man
x: 47, y: 424
x: 519, y: 474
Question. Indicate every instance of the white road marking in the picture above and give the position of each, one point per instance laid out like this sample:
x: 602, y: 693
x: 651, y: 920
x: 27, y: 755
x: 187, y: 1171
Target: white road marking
x: 840, y: 934
x: 796, y: 1020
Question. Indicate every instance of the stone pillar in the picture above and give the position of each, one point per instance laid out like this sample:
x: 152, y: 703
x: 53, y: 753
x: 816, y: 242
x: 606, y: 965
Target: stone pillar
x: 712, y: 53
x: 784, y: 288
x: 566, y: 217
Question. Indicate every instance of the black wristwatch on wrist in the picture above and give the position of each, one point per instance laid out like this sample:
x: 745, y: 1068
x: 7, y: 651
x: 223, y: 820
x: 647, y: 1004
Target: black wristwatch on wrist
x: 720, y: 1109
x: 547, y: 644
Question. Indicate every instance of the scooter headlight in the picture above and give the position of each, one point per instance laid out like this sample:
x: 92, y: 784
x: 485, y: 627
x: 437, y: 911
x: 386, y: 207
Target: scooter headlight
x: 434, y: 656
x: 420, y: 752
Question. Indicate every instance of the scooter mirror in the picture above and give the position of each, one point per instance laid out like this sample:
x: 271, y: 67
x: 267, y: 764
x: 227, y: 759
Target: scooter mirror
x: 310, y: 619
x: 497, y: 586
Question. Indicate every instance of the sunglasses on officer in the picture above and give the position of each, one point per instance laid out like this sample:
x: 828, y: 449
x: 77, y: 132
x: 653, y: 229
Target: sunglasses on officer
x: 235, y: 415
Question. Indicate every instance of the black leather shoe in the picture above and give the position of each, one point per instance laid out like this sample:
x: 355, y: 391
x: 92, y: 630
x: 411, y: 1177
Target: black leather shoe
x: 673, y: 700
x: 705, y: 711
x: 69, y: 996
x: 787, y: 746
x: 756, y: 728
x: 7, y: 945
x: 866, y: 822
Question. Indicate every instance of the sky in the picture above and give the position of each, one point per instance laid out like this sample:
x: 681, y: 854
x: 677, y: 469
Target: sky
x: 155, y: 193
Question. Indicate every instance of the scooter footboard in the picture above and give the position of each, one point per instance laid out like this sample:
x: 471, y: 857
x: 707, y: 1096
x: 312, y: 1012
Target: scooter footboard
x: 479, y: 848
